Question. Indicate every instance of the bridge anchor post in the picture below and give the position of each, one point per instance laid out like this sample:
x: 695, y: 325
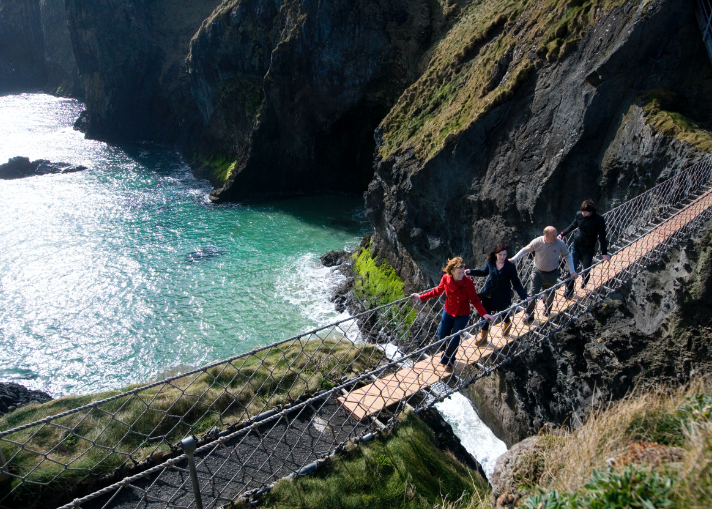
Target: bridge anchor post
x: 189, y: 446
x: 3, y: 475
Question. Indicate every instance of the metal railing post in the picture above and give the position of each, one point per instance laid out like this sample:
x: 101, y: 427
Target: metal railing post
x: 3, y: 475
x: 189, y: 447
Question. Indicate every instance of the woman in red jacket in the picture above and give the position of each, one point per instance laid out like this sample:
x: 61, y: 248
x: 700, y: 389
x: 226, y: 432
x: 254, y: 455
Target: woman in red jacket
x: 459, y: 293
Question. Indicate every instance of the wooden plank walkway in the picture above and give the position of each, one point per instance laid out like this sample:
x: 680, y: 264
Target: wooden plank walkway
x: 391, y: 389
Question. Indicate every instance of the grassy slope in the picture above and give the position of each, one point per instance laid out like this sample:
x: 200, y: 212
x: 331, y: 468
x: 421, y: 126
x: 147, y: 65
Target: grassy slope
x: 661, y: 110
x: 650, y: 450
x: 146, y: 424
x: 462, y: 81
x: 404, y: 470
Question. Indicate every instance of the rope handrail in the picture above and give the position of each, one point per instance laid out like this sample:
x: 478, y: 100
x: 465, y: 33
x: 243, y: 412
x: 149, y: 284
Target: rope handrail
x: 269, y: 413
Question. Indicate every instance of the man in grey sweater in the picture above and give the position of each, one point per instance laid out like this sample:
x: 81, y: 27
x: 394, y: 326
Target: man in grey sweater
x: 548, y: 250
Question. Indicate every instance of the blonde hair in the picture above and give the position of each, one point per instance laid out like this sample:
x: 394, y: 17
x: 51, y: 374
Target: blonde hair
x: 453, y: 263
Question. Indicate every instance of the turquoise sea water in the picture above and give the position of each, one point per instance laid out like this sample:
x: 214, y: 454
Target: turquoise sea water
x: 126, y: 271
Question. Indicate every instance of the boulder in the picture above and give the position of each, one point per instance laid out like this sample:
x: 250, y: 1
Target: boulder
x: 20, y: 167
x: 13, y: 396
x: 334, y: 258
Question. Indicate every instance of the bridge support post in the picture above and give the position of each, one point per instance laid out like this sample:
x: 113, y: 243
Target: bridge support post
x: 3, y: 474
x: 189, y: 447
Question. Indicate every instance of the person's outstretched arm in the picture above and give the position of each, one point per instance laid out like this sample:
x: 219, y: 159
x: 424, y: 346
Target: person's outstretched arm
x: 479, y: 272
x: 529, y: 248
x: 435, y: 292
x: 571, y: 228
x: 569, y: 259
x: 475, y: 301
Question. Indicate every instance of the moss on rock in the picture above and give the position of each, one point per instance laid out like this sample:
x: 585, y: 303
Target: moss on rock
x: 661, y: 107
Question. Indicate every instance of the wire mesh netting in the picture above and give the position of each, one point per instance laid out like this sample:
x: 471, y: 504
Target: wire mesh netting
x: 281, y: 410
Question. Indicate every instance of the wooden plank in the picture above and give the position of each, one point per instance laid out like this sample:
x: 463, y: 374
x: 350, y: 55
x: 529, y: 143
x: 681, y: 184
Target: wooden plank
x: 393, y: 388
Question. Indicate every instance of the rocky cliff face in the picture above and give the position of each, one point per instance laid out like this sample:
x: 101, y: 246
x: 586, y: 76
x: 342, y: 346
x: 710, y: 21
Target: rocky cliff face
x: 21, y: 46
x: 539, y: 110
x: 35, y: 48
x: 658, y: 330
x: 60, y: 65
x: 291, y: 91
x: 130, y: 54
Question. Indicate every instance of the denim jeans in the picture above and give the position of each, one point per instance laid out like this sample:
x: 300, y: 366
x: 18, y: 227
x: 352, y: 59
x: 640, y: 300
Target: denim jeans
x: 584, y: 256
x: 542, y: 281
x: 450, y: 325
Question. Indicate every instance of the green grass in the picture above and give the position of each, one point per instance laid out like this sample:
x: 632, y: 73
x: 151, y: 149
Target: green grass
x: 378, y: 284
x: 651, y: 450
x: 460, y: 84
x: 403, y: 470
x: 659, y: 107
x: 140, y: 425
x: 632, y: 488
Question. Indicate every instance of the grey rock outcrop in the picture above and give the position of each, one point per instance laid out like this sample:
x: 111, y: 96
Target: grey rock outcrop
x: 22, y: 63
x: 505, y: 493
x: 35, y: 48
x: 21, y: 167
x: 575, y: 128
x: 13, y: 396
x: 60, y: 66
x: 130, y: 54
x: 293, y: 90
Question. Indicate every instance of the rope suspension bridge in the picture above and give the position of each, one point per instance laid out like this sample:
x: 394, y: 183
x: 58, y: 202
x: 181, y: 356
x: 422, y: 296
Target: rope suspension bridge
x: 282, y: 410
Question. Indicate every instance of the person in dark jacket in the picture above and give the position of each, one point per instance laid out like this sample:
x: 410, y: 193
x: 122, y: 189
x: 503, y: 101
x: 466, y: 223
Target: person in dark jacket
x: 590, y: 227
x: 496, y: 294
x: 459, y: 294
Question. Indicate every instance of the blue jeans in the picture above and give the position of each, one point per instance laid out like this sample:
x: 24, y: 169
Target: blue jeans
x: 584, y: 256
x: 450, y: 325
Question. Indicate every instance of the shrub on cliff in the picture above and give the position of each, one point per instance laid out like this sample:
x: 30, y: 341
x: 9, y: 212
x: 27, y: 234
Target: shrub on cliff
x: 652, y: 449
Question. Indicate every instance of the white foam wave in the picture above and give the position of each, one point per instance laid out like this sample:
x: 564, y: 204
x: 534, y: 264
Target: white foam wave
x: 475, y: 436
x: 308, y: 285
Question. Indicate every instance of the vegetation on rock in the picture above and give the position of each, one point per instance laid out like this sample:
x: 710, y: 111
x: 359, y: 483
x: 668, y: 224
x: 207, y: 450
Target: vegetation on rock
x: 479, y: 64
x: 661, y: 107
x: 652, y: 449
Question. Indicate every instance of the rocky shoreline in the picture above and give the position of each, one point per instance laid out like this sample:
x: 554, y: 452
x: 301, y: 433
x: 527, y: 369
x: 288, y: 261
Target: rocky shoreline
x: 21, y: 167
x: 14, y: 396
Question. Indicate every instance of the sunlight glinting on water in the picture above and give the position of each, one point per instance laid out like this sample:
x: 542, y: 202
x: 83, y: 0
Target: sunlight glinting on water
x: 125, y: 271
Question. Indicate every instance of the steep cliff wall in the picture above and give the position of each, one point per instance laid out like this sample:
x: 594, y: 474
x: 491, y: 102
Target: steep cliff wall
x: 291, y: 91
x: 60, y: 65
x: 525, y: 109
x: 35, y: 48
x: 130, y: 54
x: 657, y: 331
x: 21, y: 46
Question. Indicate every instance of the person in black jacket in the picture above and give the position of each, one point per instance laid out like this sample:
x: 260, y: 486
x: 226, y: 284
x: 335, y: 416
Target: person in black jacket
x: 590, y: 226
x: 496, y: 295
